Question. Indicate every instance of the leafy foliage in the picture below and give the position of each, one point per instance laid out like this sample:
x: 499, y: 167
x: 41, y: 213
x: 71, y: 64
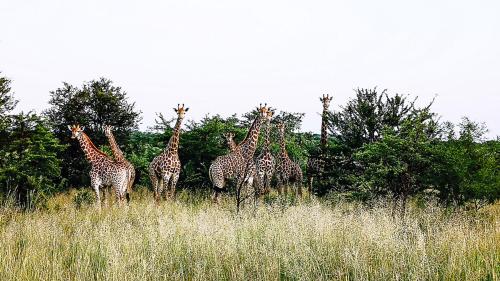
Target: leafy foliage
x: 397, y: 165
x: 95, y: 104
x: 31, y: 167
x: 468, y: 168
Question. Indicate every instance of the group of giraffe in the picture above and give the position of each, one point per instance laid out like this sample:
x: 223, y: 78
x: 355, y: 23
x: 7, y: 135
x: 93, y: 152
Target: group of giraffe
x: 238, y: 164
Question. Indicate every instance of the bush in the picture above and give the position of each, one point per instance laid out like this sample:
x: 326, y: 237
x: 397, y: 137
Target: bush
x: 84, y: 197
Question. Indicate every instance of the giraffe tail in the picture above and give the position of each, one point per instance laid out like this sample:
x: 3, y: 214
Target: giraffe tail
x: 129, y: 186
x: 131, y: 179
x: 210, y: 174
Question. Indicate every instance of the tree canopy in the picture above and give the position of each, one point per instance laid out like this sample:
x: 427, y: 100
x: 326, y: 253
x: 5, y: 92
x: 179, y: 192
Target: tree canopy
x: 94, y: 104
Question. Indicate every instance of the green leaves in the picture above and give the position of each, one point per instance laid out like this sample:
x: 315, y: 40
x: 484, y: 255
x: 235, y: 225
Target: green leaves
x: 94, y: 104
x: 468, y: 167
x: 30, y: 166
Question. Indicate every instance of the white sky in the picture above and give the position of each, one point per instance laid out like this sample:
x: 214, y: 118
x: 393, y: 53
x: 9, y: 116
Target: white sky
x: 228, y: 56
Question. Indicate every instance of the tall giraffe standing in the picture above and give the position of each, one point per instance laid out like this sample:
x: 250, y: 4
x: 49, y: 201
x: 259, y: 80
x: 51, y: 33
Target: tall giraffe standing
x: 266, y: 163
x: 104, y: 171
x: 316, y: 164
x: 237, y: 162
x: 287, y: 171
x: 119, y: 157
x: 165, y: 168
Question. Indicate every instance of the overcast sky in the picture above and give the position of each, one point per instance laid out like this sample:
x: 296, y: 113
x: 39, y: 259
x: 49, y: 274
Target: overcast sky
x: 228, y: 56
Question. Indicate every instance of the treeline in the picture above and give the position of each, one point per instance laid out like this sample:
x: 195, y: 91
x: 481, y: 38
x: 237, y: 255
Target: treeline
x: 379, y: 145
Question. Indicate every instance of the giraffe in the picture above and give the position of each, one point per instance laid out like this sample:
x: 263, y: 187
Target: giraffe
x: 266, y: 163
x: 316, y: 164
x: 119, y: 157
x: 287, y: 171
x: 236, y: 164
x: 251, y: 173
x: 165, y: 168
x: 104, y: 171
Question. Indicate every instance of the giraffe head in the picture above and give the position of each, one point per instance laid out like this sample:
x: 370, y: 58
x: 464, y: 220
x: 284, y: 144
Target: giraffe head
x: 270, y: 113
x: 263, y: 110
x: 181, y: 110
x: 326, y: 99
x: 281, y: 127
x: 229, y: 137
x: 107, y: 129
x: 76, y: 131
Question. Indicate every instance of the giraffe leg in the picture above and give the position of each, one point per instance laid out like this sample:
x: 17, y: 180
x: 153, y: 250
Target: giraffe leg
x: 216, y: 196
x: 218, y: 181
x: 122, y: 188
x: 97, y: 191
x: 165, y: 192
x: 299, y: 190
x: 155, y: 181
x: 130, y: 183
x: 118, y: 196
x: 268, y: 183
x: 159, y: 190
x: 173, y: 183
x: 298, y: 185
x: 240, y: 187
x: 95, y: 182
x: 217, y: 192
x: 280, y: 185
x: 311, y: 179
x: 104, y: 196
x: 155, y: 189
x: 251, y: 186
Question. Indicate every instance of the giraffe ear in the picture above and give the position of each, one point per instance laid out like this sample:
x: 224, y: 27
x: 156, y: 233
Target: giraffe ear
x: 69, y: 127
x: 187, y: 109
x: 175, y: 109
x: 82, y: 128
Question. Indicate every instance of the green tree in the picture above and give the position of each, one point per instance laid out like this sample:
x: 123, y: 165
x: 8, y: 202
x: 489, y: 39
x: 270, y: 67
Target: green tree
x: 466, y: 165
x: 143, y: 147
x: 364, y: 120
x: 7, y: 104
x: 31, y: 167
x: 399, y: 163
x: 93, y: 105
x: 7, y: 101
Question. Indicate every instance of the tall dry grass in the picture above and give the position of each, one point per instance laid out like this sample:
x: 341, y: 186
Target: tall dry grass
x: 199, y: 241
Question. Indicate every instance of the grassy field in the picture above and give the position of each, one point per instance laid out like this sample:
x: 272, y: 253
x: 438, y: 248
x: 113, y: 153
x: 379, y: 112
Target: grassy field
x: 191, y: 239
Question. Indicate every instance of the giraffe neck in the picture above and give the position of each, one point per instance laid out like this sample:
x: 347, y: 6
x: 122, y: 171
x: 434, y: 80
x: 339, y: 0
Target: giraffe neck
x: 232, y: 145
x: 283, y: 152
x: 324, y: 129
x: 249, y: 145
x: 267, y: 142
x: 92, y: 153
x: 117, y: 152
x: 173, y: 144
